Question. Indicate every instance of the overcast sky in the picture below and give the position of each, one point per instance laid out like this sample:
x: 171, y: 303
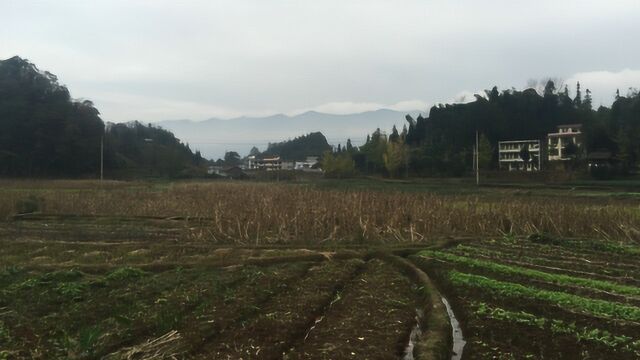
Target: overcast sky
x: 156, y: 60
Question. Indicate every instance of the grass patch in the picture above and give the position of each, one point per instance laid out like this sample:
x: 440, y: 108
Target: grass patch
x: 125, y: 273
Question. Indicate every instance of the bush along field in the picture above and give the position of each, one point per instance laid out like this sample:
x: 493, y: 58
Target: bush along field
x: 541, y: 298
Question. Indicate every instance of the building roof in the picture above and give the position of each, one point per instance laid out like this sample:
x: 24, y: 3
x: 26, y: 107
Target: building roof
x: 570, y: 125
x: 516, y: 141
x: 564, y: 134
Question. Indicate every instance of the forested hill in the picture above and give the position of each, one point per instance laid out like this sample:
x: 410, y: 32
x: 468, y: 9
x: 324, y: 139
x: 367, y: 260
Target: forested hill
x: 312, y: 144
x: 506, y: 115
x: 137, y: 150
x: 444, y: 140
x: 44, y: 132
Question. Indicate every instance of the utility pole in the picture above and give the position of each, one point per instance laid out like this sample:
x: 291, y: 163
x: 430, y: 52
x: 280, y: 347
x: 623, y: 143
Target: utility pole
x: 477, y: 161
x: 102, y: 158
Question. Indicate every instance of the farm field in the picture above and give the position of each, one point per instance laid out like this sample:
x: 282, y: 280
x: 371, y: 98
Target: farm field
x: 313, y: 271
x: 542, y: 298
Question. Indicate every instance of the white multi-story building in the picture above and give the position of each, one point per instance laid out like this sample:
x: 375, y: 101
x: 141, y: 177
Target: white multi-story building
x: 308, y: 164
x: 510, y: 158
x: 558, y: 141
x: 267, y: 163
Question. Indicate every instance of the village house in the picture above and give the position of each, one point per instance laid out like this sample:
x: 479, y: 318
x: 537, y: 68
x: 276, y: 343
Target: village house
x: 510, y: 155
x: 265, y: 163
x: 307, y: 165
x: 557, y: 142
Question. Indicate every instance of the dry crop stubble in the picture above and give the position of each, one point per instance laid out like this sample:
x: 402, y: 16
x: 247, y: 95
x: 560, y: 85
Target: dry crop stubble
x: 267, y: 213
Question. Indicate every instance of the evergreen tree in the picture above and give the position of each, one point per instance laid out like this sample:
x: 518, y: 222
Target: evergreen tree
x: 403, y: 134
x: 394, y: 137
x: 549, y: 88
x: 350, y: 148
x: 587, y: 103
x: 578, y: 99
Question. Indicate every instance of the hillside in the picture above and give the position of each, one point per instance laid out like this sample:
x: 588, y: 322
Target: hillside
x: 46, y: 133
x: 214, y: 137
x: 313, y: 144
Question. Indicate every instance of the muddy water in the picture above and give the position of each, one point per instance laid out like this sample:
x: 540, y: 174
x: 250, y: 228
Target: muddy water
x: 416, y: 332
x: 458, y: 339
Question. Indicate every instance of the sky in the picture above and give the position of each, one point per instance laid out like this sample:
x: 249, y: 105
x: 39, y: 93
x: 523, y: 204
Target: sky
x: 158, y: 60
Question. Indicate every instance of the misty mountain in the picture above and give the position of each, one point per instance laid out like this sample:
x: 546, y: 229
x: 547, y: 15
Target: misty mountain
x: 215, y: 136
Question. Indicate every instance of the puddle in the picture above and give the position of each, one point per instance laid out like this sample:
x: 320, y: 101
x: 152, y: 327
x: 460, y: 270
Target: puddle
x: 458, y: 339
x: 416, y: 332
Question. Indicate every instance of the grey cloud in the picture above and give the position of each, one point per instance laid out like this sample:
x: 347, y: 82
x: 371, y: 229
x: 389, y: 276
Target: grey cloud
x: 154, y: 60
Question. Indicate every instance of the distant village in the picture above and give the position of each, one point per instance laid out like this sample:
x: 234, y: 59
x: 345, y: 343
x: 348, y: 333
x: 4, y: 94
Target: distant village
x: 254, y: 163
x: 562, y: 147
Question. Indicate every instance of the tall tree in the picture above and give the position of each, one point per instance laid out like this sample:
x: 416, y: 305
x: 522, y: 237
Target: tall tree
x: 394, y: 137
x: 232, y: 158
x: 578, y: 99
x: 549, y: 88
x: 587, y: 103
x: 350, y: 148
x: 395, y: 158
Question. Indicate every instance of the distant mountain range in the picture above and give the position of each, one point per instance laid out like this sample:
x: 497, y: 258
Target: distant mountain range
x: 215, y: 136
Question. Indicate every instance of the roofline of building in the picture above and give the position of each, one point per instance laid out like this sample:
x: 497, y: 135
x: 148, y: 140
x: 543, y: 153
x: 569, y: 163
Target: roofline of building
x: 564, y: 134
x: 569, y: 125
x: 516, y: 141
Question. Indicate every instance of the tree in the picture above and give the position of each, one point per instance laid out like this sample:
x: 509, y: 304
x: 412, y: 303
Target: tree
x: 373, y: 152
x: 549, y: 88
x: 525, y: 155
x: 395, y: 158
x: 232, y: 158
x: 570, y: 150
x: 254, y: 151
x: 338, y: 165
x: 485, y: 152
x: 587, y: 103
x: 394, y: 137
x: 578, y: 99
x: 350, y: 148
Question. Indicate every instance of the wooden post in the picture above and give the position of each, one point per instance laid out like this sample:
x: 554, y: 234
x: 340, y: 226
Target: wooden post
x: 477, y: 160
x: 102, y: 158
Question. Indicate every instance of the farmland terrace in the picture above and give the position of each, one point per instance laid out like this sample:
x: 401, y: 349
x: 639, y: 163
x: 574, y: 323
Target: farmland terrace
x: 315, y: 271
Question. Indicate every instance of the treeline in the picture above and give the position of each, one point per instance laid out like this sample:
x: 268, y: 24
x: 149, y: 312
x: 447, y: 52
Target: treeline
x: 45, y: 133
x: 442, y: 144
x: 136, y: 150
x: 299, y: 148
x: 296, y: 149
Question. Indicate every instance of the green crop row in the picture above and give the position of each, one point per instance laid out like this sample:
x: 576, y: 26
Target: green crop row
x: 534, y: 274
x: 572, y: 302
x: 559, y: 327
